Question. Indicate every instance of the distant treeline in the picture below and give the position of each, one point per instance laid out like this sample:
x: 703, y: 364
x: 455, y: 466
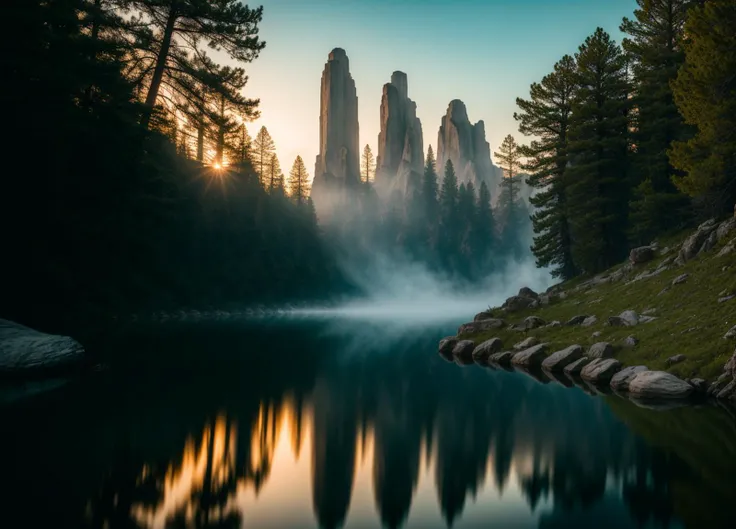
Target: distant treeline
x: 633, y: 142
x: 99, y: 213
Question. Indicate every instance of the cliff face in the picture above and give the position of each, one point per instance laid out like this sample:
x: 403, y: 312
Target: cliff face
x: 465, y: 144
x: 337, y: 167
x: 400, y: 156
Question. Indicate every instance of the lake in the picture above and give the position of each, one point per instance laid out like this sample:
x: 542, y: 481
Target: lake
x: 323, y: 422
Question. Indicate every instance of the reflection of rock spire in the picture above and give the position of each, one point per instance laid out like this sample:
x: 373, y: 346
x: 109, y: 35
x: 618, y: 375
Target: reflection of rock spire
x: 333, y: 454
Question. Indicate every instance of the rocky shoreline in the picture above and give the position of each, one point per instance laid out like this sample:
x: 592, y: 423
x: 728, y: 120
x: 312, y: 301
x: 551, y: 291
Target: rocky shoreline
x: 595, y: 367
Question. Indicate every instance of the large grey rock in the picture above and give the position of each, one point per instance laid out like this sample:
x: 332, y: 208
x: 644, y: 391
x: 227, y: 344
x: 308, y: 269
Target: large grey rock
x: 559, y: 360
x: 680, y: 279
x: 480, y: 326
x: 485, y: 315
x: 658, y: 384
x: 503, y: 358
x: 532, y: 322
x: 526, y: 343
x: 720, y: 383
x: 725, y: 228
x: 730, y: 366
x: 731, y: 333
x: 600, y: 350
x: 600, y: 370
x: 400, y: 159
x: 516, y: 303
x: 620, y: 381
x: 642, y: 254
x: 465, y: 145
x: 575, y: 367
x: 25, y: 350
x: 629, y: 317
x: 694, y: 243
x: 577, y: 320
x: 337, y: 167
x: 464, y: 348
x: 531, y: 357
x: 728, y: 392
x: 631, y: 341
x: 590, y: 320
x: 486, y: 349
x: 527, y: 292
x: 676, y: 359
x: 447, y: 344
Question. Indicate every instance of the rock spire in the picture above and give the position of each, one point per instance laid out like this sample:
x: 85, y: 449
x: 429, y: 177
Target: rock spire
x: 400, y: 144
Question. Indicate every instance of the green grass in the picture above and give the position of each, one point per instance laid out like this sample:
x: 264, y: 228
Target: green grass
x: 691, y: 305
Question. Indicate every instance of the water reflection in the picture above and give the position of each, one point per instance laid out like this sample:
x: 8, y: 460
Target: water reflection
x: 397, y: 440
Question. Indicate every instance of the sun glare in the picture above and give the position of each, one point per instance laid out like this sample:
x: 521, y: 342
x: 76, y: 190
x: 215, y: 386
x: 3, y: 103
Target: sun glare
x: 217, y: 165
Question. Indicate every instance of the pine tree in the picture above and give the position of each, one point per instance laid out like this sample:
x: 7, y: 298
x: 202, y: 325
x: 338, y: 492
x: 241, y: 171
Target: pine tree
x: 430, y: 189
x: 299, y: 184
x: 275, y: 176
x: 599, y: 188
x: 262, y: 151
x: 482, y: 229
x: 226, y: 25
x: 241, y: 152
x: 368, y: 165
x: 705, y: 93
x: 511, y: 214
x: 447, y: 243
x: 655, y: 52
x: 546, y: 115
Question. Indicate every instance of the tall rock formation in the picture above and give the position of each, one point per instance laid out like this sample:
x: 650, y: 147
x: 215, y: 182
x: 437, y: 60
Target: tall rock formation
x: 337, y: 167
x: 400, y: 144
x: 465, y: 144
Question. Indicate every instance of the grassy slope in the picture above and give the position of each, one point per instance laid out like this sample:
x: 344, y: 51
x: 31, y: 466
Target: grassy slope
x: 691, y: 305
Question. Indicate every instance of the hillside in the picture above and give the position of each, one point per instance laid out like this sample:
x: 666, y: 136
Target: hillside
x: 687, y: 316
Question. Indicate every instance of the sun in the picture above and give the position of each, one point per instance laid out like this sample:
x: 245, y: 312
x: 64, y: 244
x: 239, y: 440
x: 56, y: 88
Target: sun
x: 217, y: 165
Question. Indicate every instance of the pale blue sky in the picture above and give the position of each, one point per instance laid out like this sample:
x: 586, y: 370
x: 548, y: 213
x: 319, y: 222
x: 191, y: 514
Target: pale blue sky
x: 485, y: 52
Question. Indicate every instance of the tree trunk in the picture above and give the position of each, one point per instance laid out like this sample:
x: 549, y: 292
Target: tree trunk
x: 221, y: 133
x: 200, y: 140
x: 158, y: 72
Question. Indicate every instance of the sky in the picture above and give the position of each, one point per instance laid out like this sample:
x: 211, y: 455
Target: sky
x: 484, y: 52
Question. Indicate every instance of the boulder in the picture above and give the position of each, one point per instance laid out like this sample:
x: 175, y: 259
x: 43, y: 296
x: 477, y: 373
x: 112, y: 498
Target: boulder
x: 629, y: 317
x: 596, y: 334
x: 532, y: 322
x: 728, y: 392
x: 447, y: 344
x: 620, y: 381
x: 531, y: 357
x: 725, y: 228
x: 502, y: 358
x: 590, y: 320
x: 694, y: 243
x: 575, y: 367
x: 600, y: 370
x: 726, y: 298
x: 480, y: 326
x: 26, y: 350
x: 657, y: 385
x: 631, y: 341
x: 516, y: 303
x: 641, y: 254
x: 675, y: 359
x: 600, y: 350
x: 485, y: 315
x: 727, y: 249
x: 463, y: 348
x: 730, y: 366
x: 559, y: 360
x: 554, y: 323
x: 699, y: 384
x: 731, y: 333
x: 526, y: 344
x: 680, y: 279
x: 486, y: 349
x: 526, y: 292
x: 577, y: 320
x: 646, y: 319
x: 720, y: 383
x: 616, y: 321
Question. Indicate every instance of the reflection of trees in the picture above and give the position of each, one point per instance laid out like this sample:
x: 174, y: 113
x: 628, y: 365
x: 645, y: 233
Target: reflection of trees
x: 568, y: 453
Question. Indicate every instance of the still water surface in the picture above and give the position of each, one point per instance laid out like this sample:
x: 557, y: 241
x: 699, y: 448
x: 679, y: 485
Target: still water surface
x: 345, y: 424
